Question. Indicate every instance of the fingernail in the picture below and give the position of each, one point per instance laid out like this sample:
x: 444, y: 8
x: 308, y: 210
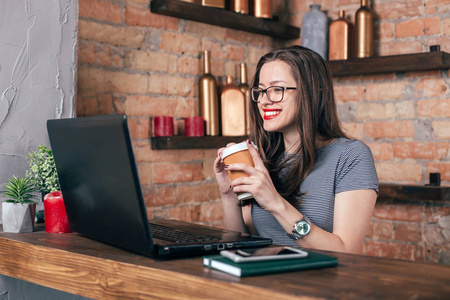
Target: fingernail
x: 251, y: 143
x: 226, y: 167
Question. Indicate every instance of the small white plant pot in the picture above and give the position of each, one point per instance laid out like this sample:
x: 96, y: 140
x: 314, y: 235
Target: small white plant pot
x: 18, y: 217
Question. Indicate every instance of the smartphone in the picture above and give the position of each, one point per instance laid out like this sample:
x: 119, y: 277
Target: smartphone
x: 261, y: 254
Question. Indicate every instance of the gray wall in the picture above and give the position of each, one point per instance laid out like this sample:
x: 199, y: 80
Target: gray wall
x: 38, y: 62
x: 38, y: 51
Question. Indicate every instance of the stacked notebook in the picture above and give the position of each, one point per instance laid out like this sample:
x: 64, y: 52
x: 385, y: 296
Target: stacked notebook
x: 312, y: 261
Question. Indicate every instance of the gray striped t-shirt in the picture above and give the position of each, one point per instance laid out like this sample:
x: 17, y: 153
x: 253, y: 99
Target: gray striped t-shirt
x: 343, y: 165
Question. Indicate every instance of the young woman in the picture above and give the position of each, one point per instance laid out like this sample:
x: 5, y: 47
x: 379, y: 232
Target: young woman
x: 313, y: 187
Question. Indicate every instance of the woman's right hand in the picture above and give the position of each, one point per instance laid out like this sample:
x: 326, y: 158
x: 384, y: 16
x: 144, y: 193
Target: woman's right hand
x: 232, y: 211
x: 223, y: 179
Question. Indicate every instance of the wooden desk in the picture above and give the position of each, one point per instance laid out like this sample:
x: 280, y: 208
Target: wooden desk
x: 78, y: 265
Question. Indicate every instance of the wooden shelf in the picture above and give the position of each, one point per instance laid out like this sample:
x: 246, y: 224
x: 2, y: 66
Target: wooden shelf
x: 394, y: 63
x: 193, y: 142
x: 412, y: 193
x: 224, y: 18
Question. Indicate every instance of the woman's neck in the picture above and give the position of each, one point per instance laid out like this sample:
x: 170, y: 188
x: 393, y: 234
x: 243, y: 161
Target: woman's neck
x: 292, y: 143
x: 320, y: 142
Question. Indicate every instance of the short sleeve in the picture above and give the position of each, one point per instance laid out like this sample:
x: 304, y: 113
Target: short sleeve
x: 356, y: 169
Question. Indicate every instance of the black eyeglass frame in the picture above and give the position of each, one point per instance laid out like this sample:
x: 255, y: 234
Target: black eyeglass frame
x: 264, y: 91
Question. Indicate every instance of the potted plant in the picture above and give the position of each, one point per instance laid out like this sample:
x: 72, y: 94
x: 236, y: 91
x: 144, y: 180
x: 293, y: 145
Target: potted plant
x: 45, y: 179
x: 43, y: 174
x: 43, y: 170
x: 18, y: 210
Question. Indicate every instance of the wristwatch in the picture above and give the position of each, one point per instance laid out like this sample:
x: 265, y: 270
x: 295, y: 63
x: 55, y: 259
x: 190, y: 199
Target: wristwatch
x: 301, y: 229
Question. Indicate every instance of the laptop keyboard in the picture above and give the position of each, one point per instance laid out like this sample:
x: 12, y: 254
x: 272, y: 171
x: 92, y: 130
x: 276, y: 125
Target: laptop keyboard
x: 175, y: 236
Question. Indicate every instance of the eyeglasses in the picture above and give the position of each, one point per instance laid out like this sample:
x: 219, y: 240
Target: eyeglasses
x: 273, y: 93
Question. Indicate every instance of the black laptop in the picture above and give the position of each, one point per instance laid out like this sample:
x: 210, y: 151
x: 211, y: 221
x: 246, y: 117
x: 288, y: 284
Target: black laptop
x: 103, y: 198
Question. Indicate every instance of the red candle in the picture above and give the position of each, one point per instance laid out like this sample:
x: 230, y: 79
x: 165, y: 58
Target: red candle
x: 194, y: 126
x: 163, y: 126
x: 55, y: 213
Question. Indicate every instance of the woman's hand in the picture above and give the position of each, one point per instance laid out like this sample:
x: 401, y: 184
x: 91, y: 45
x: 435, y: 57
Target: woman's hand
x: 259, y: 184
x: 232, y: 212
x: 223, y: 180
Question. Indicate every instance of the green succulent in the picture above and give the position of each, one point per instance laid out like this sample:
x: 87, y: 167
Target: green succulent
x: 43, y: 170
x: 19, y: 190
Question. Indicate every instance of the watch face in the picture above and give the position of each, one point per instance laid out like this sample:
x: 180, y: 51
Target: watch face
x: 303, y: 227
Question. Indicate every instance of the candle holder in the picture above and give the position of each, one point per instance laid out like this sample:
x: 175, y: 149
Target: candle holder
x: 162, y: 126
x: 194, y: 126
x: 55, y: 213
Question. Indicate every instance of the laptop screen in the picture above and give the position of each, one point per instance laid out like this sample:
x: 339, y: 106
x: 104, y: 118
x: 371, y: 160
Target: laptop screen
x: 99, y: 180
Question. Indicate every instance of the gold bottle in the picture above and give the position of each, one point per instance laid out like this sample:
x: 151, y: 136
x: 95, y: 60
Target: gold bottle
x: 213, y: 3
x: 245, y: 89
x: 364, y: 30
x: 262, y: 9
x: 209, y: 103
x: 232, y: 109
x: 240, y: 6
x: 340, y: 38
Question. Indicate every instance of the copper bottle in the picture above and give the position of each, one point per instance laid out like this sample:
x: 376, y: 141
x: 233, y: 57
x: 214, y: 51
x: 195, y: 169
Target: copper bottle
x: 364, y: 30
x: 245, y: 89
x: 262, y: 9
x: 340, y: 38
x: 208, y: 94
x: 240, y: 6
x: 232, y: 110
x: 213, y: 3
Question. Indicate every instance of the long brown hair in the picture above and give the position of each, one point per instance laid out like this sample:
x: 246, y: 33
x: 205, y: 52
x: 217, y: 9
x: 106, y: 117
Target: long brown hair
x: 316, y: 116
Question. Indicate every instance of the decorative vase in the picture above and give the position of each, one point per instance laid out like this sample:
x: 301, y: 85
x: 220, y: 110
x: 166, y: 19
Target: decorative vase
x: 209, y: 102
x: 262, y: 9
x: 364, y: 30
x: 213, y: 3
x: 17, y: 217
x: 240, y: 6
x: 315, y: 31
x: 55, y: 213
x: 232, y: 110
x: 341, y: 38
x: 245, y: 89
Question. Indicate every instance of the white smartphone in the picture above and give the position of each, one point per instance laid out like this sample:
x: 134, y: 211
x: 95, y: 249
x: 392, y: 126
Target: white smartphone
x: 261, y: 254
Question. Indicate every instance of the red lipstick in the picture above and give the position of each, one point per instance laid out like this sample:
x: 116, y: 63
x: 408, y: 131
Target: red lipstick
x: 269, y: 114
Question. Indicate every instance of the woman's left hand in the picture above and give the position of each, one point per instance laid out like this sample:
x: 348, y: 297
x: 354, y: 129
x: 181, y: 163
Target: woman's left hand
x: 259, y: 184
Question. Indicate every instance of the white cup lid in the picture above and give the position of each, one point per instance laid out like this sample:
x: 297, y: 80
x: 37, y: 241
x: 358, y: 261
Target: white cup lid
x: 245, y: 196
x: 233, y: 149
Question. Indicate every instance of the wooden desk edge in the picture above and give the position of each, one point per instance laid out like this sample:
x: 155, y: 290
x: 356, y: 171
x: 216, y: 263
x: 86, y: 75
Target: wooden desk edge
x: 78, y: 265
x: 100, y: 278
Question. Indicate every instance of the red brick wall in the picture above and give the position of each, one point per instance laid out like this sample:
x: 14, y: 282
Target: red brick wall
x: 141, y: 64
x: 403, y: 117
x: 412, y: 231
x: 134, y: 62
x: 405, y: 120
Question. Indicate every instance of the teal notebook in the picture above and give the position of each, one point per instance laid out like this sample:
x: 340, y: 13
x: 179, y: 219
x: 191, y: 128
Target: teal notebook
x: 312, y: 261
